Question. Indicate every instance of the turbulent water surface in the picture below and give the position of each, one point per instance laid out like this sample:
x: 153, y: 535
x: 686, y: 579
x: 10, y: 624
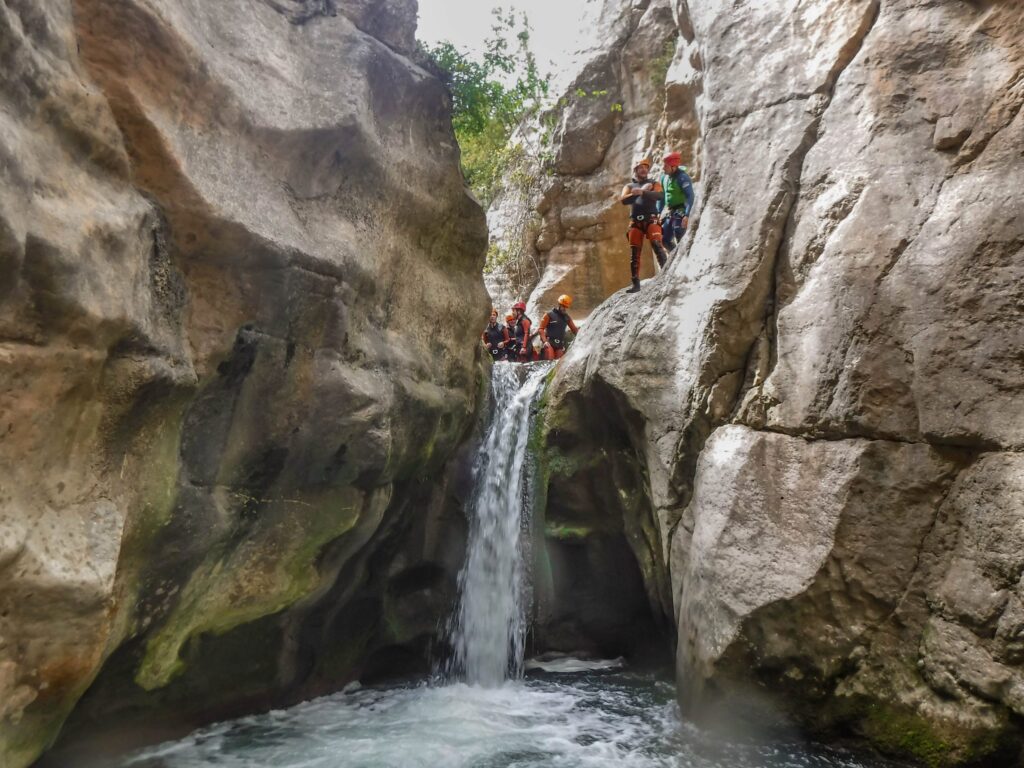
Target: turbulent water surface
x: 602, y: 719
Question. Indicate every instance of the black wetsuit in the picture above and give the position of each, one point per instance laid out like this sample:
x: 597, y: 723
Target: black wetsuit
x: 558, y: 324
x: 521, y: 339
x: 512, y: 348
x: 644, y: 206
x: 495, y: 335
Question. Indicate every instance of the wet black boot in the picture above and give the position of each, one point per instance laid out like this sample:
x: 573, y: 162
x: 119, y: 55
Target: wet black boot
x: 634, y: 268
x: 661, y: 253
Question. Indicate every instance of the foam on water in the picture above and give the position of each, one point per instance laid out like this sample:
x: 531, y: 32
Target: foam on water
x: 588, y: 720
x: 567, y: 664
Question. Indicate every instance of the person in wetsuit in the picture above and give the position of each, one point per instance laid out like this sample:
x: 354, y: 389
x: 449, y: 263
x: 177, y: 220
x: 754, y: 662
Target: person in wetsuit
x: 677, y: 202
x: 642, y: 195
x: 512, y: 347
x: 553, y: 326
x: 495, y: 337
x: 523, y: 336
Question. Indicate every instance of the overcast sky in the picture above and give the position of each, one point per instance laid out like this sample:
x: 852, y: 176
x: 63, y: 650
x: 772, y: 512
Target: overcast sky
x: 556, y: 25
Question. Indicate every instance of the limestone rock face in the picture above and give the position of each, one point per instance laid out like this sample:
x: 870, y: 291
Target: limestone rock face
x: 609, y: 112
x: 831, y: 521
x: 816, y: 408
x: 216, y: 398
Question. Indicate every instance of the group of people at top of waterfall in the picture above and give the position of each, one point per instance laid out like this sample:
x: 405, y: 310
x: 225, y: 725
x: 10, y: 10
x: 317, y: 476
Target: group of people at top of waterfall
x: 659, y: 211
x: 515, y: 341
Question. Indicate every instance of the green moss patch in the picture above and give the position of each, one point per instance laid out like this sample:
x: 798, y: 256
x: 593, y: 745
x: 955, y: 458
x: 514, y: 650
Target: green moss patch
x: 567, y: 532
x: 905, y: 733
x: 263, y: 575
x: 899, y: 730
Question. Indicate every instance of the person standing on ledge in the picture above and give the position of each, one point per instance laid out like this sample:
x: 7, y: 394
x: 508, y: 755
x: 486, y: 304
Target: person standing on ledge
x: 511, y: 348
x: 495, y: 337
x: 523, y: 339
x: 644, y: 195
x: 678, y: 200
x: 553, y: 327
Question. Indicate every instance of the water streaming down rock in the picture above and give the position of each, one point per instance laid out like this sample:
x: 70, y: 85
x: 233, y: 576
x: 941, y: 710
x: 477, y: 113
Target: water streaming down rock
x: 489, y: 626
x: 570, y: 713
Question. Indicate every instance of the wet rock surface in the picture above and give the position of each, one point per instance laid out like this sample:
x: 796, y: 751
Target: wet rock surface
x: 226, y: 475
x: 812, y: 415
x: 224, y: 434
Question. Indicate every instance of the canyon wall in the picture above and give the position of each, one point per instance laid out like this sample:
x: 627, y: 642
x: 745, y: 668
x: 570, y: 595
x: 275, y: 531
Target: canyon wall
x: 614, y: 107
x: 809, y: 426
x: 224, y: 434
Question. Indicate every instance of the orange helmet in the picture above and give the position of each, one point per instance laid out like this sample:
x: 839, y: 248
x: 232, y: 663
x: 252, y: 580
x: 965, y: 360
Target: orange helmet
x: 509, y: 318
x: 673, y: 158
x: 643, y: 161
x: 565, y: 300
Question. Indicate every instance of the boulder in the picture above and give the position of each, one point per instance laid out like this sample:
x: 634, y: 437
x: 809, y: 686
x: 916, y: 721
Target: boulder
x: 808, y: 410
x: 217, y: 404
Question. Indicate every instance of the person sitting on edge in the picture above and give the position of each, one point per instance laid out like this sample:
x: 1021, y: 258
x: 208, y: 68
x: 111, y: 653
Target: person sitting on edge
x: 523, y: 339
x: 495, y: 337
x: 553, y: 326
x: 512, y: 348
x: 643, y: 195
x: 677, y: 202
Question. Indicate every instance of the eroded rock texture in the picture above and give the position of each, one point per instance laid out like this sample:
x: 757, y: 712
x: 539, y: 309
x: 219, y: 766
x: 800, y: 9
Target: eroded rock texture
x: 813, y: 416
x: 217, y: 405
x: 614, y: 107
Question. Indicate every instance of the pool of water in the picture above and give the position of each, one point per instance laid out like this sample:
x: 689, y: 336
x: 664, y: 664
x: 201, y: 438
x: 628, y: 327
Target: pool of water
x: 586, y: 718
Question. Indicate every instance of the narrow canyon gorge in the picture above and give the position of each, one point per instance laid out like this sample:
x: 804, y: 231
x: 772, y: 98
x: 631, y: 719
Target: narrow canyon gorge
x: 244, y: 407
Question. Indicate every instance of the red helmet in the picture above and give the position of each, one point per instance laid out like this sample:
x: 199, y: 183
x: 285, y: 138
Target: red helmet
x: 520, y: 305
x: 673, y: 158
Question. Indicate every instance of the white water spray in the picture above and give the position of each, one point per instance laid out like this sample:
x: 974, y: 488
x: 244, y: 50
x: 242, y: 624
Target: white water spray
x: 489, y: 628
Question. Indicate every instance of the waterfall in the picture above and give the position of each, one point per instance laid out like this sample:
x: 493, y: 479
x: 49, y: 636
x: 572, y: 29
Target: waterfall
x: 489, y: 627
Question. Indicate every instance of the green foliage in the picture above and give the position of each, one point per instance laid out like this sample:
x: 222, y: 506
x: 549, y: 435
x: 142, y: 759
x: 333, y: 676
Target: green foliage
x: 491, y: 96
x: 660, y: 64
x: 498, y: 258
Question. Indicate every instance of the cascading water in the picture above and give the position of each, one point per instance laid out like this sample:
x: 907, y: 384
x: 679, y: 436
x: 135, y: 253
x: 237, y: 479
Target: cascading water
x: 573, y: 715
x: 489, y: 628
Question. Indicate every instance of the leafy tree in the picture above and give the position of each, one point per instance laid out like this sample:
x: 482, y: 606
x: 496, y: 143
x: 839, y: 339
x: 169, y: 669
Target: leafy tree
x: 491, y: 96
